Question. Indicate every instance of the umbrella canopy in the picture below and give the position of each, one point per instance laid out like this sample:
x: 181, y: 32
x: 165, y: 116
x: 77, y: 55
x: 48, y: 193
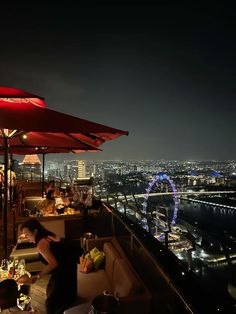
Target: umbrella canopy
x: 50, y: 140
x: 26, y: 117
x: 31, y: 150
x: 17, y: 95
x: 25, y: 127
x: 39, y: 142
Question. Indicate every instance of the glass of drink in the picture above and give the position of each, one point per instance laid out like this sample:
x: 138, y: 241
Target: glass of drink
x: 4, y: 264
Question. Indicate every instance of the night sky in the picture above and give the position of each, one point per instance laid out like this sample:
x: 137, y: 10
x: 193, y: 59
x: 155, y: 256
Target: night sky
x: 164, y: 72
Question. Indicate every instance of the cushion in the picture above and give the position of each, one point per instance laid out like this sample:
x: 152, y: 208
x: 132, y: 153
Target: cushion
x: 97, y: 257
x: 126, y: 283
x: 111, y: 255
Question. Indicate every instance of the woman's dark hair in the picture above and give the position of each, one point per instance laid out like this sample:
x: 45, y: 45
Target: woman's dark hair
x: 33, y: 224
x: 50, y: 195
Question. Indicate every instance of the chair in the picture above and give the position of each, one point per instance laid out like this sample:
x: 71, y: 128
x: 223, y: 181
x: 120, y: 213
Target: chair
x: 8, y: 294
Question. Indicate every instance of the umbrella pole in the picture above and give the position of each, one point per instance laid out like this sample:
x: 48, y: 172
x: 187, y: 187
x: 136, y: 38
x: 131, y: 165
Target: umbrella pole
x: 43, y: 175
x: 10, y: 181
x: 5, y: 207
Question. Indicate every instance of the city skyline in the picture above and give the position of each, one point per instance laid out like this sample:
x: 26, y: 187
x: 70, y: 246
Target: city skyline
x: 84, y: 156
x: 164, y: 72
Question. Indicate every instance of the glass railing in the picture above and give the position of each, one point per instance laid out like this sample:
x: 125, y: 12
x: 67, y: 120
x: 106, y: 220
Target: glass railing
x: 184, y: 255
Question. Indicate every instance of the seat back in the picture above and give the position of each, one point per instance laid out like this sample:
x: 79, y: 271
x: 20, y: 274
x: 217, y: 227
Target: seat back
x: 55, y: 225
x: 8, y: 294
x: 124, y: 281
x: 111, y: 255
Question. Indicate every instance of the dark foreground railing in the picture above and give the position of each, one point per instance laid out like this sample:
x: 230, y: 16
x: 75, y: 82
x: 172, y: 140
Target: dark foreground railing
x: 175, y: 288
x: 147, y: 256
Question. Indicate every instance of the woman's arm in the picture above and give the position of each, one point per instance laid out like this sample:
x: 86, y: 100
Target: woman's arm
x: 43, y: 248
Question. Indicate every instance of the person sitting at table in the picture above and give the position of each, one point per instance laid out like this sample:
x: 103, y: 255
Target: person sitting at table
x: 60, y: 260
x: 62, y: 202
x: 47, y: 206
x: 49, y: 186
x: 63, y: 199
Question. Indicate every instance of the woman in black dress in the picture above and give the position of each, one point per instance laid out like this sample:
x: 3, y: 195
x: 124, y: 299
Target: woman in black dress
x: 60, y: 258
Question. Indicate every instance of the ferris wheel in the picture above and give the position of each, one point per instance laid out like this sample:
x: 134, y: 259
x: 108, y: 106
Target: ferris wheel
x: 162, y: 177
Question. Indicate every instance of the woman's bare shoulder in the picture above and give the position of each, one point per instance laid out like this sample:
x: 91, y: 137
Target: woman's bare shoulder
x: 43, y: 243
x: 54, y: 238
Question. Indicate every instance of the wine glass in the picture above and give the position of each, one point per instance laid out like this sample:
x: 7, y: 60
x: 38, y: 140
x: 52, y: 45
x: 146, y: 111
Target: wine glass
x: 4, y: 264
x: 21, y: 264
x: 4, y: 270
x: 21, y: 267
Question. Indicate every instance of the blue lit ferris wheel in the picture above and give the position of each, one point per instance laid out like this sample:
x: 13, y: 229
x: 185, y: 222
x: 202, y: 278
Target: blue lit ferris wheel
x: 160, y: 177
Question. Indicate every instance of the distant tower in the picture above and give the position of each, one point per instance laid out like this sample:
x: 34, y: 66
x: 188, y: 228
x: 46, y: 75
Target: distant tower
x: 81, y: 169
x: 31, y: 167
x: 94, y: 171
x: 31, y: 160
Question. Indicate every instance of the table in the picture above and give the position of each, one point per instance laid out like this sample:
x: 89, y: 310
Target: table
x: 11, y: 269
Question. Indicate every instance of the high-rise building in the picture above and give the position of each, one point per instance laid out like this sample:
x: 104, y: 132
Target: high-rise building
x: 81, y: 169
x: 93, y: 173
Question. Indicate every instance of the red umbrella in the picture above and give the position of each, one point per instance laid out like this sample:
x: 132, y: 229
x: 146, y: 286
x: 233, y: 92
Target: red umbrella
x: 24, y: 125
x: 31, y: 150
x: 18, y: 95
x: 26, y: 117
x: 46, y: 142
